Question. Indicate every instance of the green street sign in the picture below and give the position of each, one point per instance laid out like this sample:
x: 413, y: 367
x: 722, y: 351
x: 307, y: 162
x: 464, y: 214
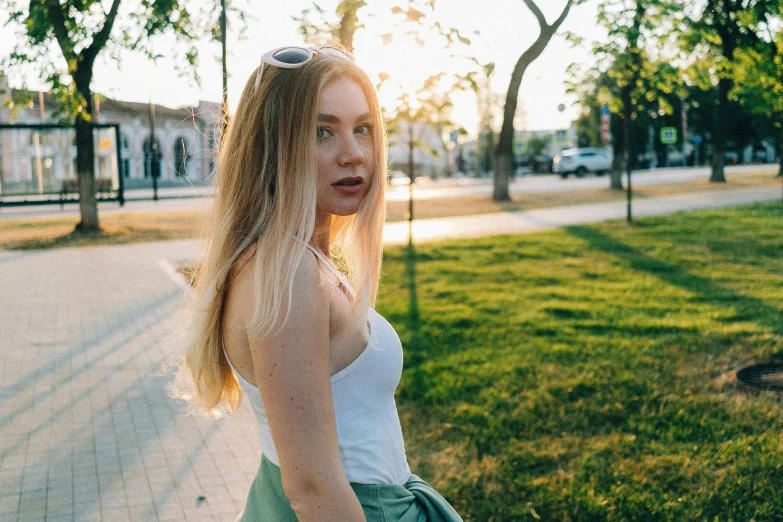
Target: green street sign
x: 668, y: 135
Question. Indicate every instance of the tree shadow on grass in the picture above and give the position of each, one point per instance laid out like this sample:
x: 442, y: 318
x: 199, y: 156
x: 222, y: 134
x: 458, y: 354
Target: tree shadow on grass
x: 710, y: 292
x: 416, y: 354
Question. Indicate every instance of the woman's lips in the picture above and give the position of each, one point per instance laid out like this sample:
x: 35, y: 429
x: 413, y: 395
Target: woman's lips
x: 349, y: 189
x: 349, y: 186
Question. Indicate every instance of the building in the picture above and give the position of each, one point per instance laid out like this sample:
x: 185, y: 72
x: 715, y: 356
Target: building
x: 38, y: 161
x: 425, y: 162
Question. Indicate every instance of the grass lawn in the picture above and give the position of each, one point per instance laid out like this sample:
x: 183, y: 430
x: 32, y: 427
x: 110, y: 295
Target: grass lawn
x: 585, y: 373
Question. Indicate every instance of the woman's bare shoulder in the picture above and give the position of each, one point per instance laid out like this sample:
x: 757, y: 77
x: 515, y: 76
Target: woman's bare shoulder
x: 241, y: 284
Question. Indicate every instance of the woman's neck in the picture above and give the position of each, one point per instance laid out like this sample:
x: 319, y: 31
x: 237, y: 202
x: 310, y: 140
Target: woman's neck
x: 320, y: 239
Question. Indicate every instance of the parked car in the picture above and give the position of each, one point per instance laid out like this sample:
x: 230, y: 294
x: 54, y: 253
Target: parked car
x: 541, y: 163
x: 581, y: 161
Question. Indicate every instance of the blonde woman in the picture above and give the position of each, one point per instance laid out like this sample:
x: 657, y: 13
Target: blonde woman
x: 301, y: 179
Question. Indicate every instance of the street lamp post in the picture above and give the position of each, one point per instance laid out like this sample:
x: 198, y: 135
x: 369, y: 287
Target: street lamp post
x: 154, y: 165
x: 224, y: 105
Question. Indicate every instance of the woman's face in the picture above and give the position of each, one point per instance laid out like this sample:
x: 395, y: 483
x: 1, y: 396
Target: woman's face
x: 345, y: 148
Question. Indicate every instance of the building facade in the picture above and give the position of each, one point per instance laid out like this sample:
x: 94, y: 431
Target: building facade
x: 42, y: 160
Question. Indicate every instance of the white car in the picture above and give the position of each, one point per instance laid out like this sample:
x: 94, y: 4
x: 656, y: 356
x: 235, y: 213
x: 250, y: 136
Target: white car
x: 581, y: 161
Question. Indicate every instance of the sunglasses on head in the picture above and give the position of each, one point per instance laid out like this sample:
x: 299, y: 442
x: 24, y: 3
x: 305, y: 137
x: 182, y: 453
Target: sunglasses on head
x: 291, y: 57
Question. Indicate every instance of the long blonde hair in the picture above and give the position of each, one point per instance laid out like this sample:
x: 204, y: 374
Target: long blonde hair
x: 266, y: 184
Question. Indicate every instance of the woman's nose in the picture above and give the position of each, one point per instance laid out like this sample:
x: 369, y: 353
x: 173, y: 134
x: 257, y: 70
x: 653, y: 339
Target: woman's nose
x: 351, y: 153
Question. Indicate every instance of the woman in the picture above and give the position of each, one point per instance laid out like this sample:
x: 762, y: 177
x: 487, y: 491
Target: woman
x: 302, y: 173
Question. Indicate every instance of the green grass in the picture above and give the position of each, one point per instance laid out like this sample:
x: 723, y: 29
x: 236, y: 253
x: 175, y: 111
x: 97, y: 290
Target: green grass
x: 586, y: 373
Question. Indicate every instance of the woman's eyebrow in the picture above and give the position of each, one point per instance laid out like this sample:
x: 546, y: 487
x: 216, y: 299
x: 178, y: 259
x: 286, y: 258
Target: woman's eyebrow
x: 330, y: 118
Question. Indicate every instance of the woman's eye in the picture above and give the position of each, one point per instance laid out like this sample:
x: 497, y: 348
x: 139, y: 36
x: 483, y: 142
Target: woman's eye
x: 322, y: 133
x: 364, y: 129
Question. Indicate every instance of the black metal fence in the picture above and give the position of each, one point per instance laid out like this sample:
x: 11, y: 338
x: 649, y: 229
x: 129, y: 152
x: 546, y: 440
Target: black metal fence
x: 38, y: 164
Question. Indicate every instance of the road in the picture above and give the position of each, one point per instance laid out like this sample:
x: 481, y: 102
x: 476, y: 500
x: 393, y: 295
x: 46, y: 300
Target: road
x: 531, y: 184
x: 196, y: 197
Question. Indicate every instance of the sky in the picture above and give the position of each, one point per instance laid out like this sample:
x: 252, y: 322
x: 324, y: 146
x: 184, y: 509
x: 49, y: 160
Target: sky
x: 505, y: 28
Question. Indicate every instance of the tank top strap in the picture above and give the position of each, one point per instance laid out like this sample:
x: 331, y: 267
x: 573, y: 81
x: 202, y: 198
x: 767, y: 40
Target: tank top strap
x: 339, y: 275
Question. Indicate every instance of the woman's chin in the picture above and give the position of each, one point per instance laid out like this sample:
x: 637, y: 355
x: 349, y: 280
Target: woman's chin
x: 341, y: 211
x: 347, y: 212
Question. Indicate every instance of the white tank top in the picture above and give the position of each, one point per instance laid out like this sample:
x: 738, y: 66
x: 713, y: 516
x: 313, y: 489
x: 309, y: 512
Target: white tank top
x: 369, y: 435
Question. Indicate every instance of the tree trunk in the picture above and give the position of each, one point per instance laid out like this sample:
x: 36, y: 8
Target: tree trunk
x: 623, y: 158
x: 503, y: 165
x: 780, y: 153
x: 505, y: 150
x: 719, y: 134
x: 504, y: 157
x: 411, y: 174
x: 85, y: 157
x: 618, y: 150
x: 349, y: 21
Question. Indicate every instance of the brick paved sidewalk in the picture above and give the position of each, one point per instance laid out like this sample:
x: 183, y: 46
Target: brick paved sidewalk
x: 87, y: 431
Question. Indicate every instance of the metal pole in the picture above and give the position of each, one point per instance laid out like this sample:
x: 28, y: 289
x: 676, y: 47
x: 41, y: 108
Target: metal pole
x: 121, y: 186
x: 411, y: 175
x: 224, y: 105
x: 628, y: 171
x: 153, y: 150
x: 684, y: 130
x: 628, y: 156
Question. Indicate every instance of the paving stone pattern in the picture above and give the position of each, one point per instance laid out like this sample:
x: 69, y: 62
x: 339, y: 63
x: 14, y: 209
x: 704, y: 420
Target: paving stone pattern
x: 87, y: 430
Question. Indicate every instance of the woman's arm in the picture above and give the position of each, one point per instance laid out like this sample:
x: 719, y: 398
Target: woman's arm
x: 292, y: 373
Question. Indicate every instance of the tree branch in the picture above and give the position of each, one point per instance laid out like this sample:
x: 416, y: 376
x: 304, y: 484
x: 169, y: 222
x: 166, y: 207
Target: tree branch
x: 57, y: 18
x: 99, y: 40
x: 563, y: 15
x: 537, y: 13
x: 550, y: 29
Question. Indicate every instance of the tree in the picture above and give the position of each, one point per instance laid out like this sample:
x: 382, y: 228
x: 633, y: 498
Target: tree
x: 538, y: 144
x: 504, y: 157
x: 718, y: 27
x: 655, y: 104
x: 429, y: 106
x: 425, y: 104
x: 82, y: 31
x: 321, y: 31
x: 634, y: 79
x: 488, y: 104
x: 758, y: 70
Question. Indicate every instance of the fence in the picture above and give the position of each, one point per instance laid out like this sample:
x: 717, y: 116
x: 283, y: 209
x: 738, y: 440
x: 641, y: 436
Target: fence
x: 38, y: 164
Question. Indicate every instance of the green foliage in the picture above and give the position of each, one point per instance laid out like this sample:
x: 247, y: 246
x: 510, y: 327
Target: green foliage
x: 429, y: 104
x: 84, y: 29
x: 636, y: 75
x: 538, y: 144
x: 584, y: 374
x: 417, y: 106
x: 758, y: 69
x: 318, y: 27
x: 718, y: 41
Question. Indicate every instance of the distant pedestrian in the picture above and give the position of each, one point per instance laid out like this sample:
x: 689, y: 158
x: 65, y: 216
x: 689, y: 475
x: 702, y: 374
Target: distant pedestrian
x: 300, y: 181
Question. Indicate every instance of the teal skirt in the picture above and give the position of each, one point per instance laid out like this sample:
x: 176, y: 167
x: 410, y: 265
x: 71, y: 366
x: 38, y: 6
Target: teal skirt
x: 415, y: 501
